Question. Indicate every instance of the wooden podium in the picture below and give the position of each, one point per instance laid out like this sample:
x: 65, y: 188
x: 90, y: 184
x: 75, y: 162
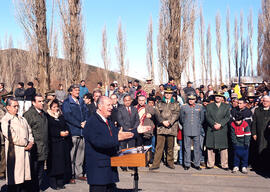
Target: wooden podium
x: 138, y: 159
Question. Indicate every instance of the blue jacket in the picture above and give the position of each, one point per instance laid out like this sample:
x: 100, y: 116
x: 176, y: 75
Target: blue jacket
x: 83, y: 91
x: 74, y: 114
x: 100, y: 146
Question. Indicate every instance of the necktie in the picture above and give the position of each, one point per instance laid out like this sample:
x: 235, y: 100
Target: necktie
x: 107, y: 123
x: 129, y: 111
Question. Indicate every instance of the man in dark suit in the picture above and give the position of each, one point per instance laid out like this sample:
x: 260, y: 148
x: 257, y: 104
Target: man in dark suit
x: 93, y: 105
x: 116, y: 106
x: 128, y: 119
x: 101, y: 143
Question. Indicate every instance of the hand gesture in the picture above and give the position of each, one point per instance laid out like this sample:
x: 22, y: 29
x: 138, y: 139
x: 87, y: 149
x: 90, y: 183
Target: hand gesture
x: 143, y: 129
x: 124, y: 135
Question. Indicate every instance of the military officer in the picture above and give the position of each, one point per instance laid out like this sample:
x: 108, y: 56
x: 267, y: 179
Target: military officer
x: 192, y: 117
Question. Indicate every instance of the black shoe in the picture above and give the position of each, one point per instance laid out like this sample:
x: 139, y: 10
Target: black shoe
x: 226, y: 169
x: 2, y: 178
x: 198, y: 168
x: 61, y: 187
x: 186, y: 168
x: 153, y: 168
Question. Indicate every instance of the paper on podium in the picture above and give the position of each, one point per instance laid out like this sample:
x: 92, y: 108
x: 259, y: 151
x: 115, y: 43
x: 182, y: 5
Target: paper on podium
x: 140, y: 149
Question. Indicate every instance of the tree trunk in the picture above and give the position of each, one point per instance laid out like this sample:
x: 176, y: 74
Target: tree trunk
x: 43, y: 50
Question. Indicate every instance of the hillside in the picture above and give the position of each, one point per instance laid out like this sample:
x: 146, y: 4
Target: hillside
x: 20, y: 64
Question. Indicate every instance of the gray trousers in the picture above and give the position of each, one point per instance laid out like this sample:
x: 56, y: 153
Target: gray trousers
x: 196, y: 150
x: 77, y: 156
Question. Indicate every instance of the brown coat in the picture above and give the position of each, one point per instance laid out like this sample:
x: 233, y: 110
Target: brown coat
x: 171, y: 112
x: 21, y: 134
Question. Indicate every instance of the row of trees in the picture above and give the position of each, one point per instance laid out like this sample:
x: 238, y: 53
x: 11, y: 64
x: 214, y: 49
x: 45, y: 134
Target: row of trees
x: 176, y: 44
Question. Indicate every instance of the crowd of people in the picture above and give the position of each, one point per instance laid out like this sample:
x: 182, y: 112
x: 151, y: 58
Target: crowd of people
x: 56, y: 136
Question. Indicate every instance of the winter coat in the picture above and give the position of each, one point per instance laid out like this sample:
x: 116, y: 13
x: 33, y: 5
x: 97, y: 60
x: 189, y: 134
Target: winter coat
x: 240, y: 134
x: 168, y: 112
x: 261, y: 120
x: 18, y: 160
x: 59, y: 154
x: 39, y: 125
x: 217, y: 139
x: 74, y: 115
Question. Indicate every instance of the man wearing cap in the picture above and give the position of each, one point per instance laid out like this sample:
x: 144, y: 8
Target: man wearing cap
x: 192, y: 117
x: 148, y: 87
x: 189, y: 90
x: 217, y: 116
x: 169, y: 110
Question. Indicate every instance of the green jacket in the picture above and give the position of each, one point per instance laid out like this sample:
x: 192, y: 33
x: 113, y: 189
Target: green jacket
x: 171, y: 112
x: 217, y: 139
x: 261, y: 119
x: 39, y: 126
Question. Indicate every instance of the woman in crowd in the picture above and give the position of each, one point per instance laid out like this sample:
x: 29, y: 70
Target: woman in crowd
x: 59, y: 163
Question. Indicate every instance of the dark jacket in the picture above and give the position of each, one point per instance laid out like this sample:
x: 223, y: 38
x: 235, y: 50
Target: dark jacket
x: 127, y: 121
x: 217, y: 139
x: 114, y: 114
x: 261, y: 120
x: 59, y: 154
x: 19, y: 94
x: 74, y: 115
x: 100, y: 146
x: 39, y: 125
x: 30, y: 94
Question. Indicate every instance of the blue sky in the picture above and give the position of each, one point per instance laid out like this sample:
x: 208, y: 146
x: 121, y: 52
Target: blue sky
x: 134, y: 15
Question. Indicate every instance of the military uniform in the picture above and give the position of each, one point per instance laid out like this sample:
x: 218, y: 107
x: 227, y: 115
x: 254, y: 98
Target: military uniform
x: 191, y: 118
x: 168, y: 111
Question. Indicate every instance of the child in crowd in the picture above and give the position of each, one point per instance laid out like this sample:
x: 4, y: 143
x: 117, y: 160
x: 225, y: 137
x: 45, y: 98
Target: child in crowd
x: 240, y: 135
